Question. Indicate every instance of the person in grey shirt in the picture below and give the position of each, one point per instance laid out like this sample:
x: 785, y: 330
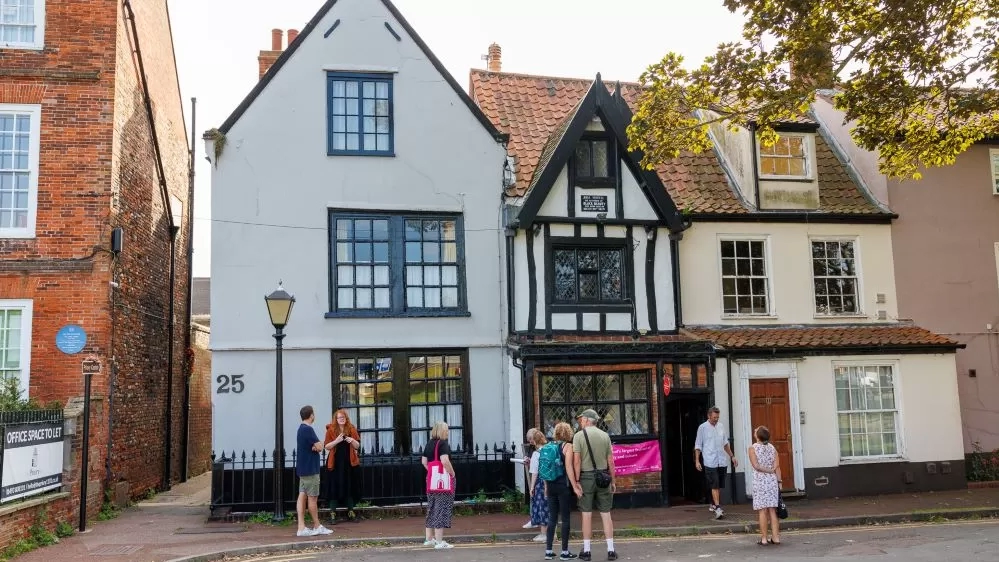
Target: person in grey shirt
x: 712, y: 444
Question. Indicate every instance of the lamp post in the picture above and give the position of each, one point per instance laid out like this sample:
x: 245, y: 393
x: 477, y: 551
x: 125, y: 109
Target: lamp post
x: 279, y: 304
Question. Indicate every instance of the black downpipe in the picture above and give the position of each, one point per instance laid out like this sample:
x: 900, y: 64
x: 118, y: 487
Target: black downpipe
x: 511, y: 279
x: 731, y: 422
x: 756, y: 165
x: 674, y: 254
x: 189, y: 359
x: 172, y: 233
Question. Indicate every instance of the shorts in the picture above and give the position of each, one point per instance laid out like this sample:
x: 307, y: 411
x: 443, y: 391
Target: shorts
x: 594, y: 497
x: 715, y: 477
x: 309, y: 485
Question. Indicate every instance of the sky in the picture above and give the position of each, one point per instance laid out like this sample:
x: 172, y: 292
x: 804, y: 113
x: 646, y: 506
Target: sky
x: 217, y: 42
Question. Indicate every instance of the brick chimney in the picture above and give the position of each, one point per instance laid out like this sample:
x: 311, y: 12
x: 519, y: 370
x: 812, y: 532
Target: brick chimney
x: 268, y: 58
x: 292, y: 35
x: 494, y: 58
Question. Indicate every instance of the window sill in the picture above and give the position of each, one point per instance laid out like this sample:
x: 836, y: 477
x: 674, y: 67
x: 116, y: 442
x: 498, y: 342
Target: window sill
x: 389, y: 154
x: 394, y: 314
x: 22, y: 46
x: 749, y: 316
x: 873, y: 460
x: 797, y: 179
x: 857, y: 315
x: 17, y: 233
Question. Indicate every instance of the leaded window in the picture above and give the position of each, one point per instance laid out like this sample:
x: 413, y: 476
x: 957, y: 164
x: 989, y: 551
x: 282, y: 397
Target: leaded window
x: 593, y: 159
x: 589, y: 275
x: 834, y: 275
x: 395, y: 397
x: 621, y: 399
x: 360, y: 113
x: 787, y: 157
x: 867, y: 410
x: 745, y: 286
x: 385, y: 265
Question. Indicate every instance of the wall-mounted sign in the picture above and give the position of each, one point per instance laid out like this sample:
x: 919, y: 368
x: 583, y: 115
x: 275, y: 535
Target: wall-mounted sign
x: 71, y: 339
x: 32, y: 459
x: 593, y: 203
x: 667, y: 384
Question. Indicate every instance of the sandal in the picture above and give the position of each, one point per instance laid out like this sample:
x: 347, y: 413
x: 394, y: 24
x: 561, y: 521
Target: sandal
x: 775, y: 543
x: 763, y: 542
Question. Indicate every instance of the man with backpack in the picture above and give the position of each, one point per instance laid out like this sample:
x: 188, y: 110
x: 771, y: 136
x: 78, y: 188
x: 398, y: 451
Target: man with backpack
x: 560, y: 483
x: 593, y: 464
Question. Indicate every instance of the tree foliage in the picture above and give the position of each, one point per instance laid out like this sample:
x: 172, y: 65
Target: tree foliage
x: 917, y: 78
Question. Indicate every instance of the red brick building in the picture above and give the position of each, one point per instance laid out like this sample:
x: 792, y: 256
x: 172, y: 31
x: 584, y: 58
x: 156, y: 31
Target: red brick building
x: 94, y: 149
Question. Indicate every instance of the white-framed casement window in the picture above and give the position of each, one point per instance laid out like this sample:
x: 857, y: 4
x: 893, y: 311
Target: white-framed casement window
x: 835, y: 277
x: 20, y: 129
x: 15, y: 341
x: 22, y: 24
x: 867, y: 405
x: 745, y: 282
x: 994, y: 167
x: 787, y: 158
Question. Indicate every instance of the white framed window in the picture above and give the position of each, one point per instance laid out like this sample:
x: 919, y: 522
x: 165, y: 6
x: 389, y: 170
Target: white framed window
x: 994, y: 167
x: 15, y: 341
x: 835, y: 277
x: 787, y: 158
x: 22, y: 24
x: 867, y: 407
x: 745, y: 281
x: 20, y: 129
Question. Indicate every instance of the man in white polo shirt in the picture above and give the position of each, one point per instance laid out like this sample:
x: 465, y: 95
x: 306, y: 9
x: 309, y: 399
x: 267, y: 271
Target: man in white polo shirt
x: 712, y: 444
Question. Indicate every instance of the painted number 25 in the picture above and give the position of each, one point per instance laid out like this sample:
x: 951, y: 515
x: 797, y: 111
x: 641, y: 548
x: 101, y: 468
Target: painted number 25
x: 230, y: 383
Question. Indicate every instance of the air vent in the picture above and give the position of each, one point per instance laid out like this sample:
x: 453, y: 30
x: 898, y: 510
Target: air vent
x: 882, y: 315
x: 881, y: 298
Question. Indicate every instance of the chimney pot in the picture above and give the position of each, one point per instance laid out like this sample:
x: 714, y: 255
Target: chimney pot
x: 495, y: 62
x: 292, y: 35
x: 277, y: 36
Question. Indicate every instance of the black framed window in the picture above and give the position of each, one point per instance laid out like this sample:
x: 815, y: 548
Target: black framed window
x: 623, y: 400
x: 360, y: 114
x: 395, y: 397
x: 589, y: 275
x: 396, y: 265
x: 594, y: 160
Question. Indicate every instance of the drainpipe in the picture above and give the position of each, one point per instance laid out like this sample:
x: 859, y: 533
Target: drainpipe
x: 511, y: 280
x: 731, y: 421
x: 756, y: 165
x: 674, y: 254
x: 188, y: 362
x: 169, y: 387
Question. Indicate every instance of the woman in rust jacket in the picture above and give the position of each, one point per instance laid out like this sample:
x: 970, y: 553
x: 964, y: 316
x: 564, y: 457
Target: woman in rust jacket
x: 343, y: 476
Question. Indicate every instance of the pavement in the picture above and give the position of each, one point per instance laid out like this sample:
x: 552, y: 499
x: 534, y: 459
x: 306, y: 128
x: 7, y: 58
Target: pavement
x: 921, y: 542
x: 174, y: 525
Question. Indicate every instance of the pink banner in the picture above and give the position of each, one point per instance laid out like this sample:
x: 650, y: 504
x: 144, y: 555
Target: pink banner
x: 637, y: 458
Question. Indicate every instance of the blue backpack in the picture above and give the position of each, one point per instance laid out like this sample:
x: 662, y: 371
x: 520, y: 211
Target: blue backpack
x: 551, y: 462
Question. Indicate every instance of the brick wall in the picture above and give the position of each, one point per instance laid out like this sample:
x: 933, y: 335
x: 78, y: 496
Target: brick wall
x: 96, y: 172
x: 141, y: 304
x: 200, y: 444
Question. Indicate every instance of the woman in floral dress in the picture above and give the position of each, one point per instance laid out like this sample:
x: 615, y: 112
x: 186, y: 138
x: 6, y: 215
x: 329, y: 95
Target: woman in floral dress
x: 539, y: 503
x: 766, y: 484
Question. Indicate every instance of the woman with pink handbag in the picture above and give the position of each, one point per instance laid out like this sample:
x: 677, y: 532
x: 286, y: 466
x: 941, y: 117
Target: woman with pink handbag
x: 440, y: 486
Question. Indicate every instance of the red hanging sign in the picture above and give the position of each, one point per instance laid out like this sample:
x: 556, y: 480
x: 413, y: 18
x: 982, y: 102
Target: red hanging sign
x: 667, y: 384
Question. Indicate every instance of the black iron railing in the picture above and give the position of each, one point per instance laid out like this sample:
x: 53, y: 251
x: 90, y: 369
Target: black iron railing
x: 245, y: 481
x: 11, y: 417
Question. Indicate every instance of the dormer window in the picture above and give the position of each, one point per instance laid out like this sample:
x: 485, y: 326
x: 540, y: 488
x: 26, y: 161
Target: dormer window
x: 787, y: 158
x: 593, y: 162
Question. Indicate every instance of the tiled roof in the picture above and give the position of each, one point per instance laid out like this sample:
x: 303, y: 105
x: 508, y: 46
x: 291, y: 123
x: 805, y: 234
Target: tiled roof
x: 531, y: 108
x: 829, y: 337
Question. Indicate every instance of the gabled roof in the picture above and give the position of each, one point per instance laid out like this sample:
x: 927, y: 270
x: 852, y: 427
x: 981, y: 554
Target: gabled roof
x: 615, y: 115
x: 311, y: 26
x: 531, y: 108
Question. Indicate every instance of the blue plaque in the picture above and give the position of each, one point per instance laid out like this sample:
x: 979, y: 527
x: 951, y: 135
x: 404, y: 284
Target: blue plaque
x: 71, y: 339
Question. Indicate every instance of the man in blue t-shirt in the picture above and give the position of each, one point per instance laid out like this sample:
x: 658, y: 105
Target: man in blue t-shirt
x: 307, y: 469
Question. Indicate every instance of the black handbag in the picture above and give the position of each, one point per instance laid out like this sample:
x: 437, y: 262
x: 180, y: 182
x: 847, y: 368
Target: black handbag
x: 601, y: 477
x: 781, y: 508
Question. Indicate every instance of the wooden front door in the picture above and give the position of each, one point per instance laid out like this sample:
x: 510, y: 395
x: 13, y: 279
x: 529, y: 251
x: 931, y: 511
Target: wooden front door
x: 770, y: 405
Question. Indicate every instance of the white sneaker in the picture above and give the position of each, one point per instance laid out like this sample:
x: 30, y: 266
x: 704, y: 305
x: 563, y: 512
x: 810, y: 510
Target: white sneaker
x: 442, y: 545
x: 430, y: 542
x: 719, y: 513
x: 529, y: 525
x: 320, y: 530
x: 539, y: 538
x: 306, y: 532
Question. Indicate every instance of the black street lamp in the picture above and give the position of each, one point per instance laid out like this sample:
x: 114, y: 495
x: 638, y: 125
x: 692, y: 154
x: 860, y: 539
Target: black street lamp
x: 279, y: 304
